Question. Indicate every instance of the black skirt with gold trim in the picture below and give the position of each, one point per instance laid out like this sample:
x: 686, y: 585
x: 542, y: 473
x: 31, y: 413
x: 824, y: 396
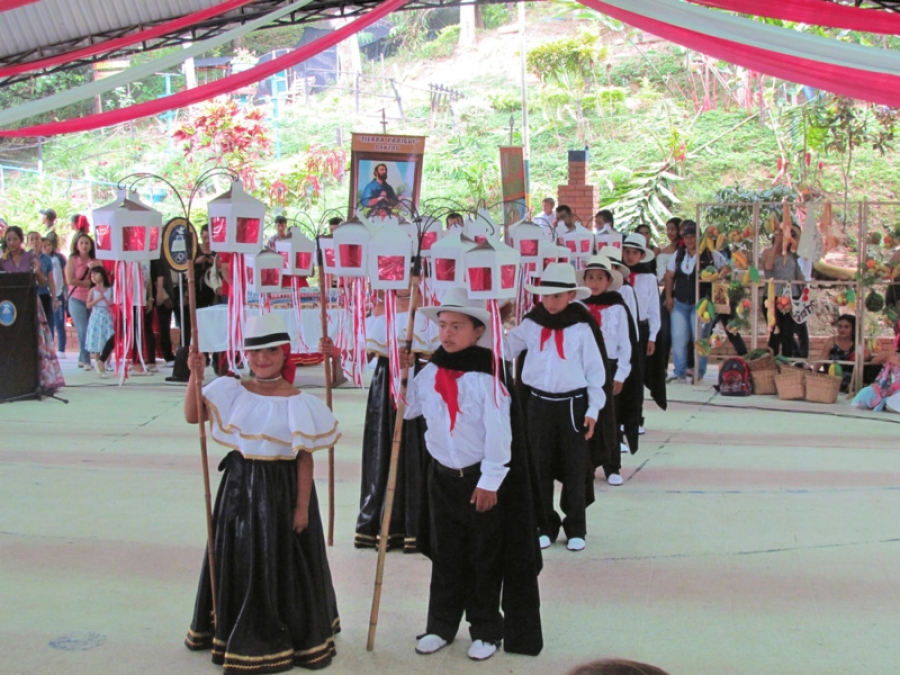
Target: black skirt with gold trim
x: 378, y: 436
x: 276, y: 601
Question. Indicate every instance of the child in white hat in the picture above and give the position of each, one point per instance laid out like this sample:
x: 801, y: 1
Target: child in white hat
x: 564, y: 371
x: 481, y: 539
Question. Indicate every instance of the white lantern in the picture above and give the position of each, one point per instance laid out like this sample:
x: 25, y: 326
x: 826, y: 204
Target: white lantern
x: 263, y: 272
x: 526, y: 238
x: 447, y: 258
x: 389, y: 256
x: 236, y: 221
x: 481, y: 227
x: 613, y: 239
x: 563, y: 255
x: 431, y: 232
x: 127, y: 230
x: 351, y: 246
x: 298, y: 252
x: 579, y: 241
x: 549, y: 253
x: 491, y: 271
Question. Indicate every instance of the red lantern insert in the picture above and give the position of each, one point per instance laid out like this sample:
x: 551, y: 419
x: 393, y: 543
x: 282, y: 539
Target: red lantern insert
x: 391, y: 267
x: 247, y: 230
x: 269, y: 277
x: 528, y: 247
x: 154, y: 238
x: 445, y: 269
x: 351, y: 255
x: 428, y: 240
x: 133, y: 238
x: 104, y: 240
x: 218, y: 228
x: 249, y: 271
x: 570, y: 244
x: 508, y: 276
x: 329, y: 257
x: 480, y: 238
x: 304, y: 260
x: 480, y: 278
x: 585, y: 246
x: 285, y: 257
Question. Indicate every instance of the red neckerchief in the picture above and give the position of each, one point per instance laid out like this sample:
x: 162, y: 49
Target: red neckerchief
x: 595, y: 311
x: 445, y: 384
x: 557, y: 337
x: 631, y: 278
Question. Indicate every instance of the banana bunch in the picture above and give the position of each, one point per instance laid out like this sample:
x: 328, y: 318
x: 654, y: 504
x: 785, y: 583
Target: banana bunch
x: 739, y: 258
x: 703, y: 310
x: 835, y: 370
x: 709, y: 273
x: 708, y: 243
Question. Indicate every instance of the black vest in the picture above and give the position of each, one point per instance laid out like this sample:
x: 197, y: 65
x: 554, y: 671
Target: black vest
x: 685, y: 284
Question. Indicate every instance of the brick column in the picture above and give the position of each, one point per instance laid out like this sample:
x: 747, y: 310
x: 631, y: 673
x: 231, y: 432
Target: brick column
x: 577, y: 194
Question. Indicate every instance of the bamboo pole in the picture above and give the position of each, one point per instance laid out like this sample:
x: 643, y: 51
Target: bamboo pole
x: 201, y: 426
x: 754, y: 262
x: 395, y: 458
x: 323, y: 315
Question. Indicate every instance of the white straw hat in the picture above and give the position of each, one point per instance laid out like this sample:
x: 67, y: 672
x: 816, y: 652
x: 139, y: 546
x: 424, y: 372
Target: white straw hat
x: 457, y: 300
x: 600, y: 262
x: 265, y: 330
x: 637, y: 240
x: 614, y: 255
x: 559, y: 278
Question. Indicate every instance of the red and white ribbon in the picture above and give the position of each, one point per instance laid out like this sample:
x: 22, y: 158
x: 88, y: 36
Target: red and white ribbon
x: 393, y: 346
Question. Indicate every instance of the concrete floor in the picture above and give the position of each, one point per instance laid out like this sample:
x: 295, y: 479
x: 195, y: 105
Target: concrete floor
x: 743, y: 541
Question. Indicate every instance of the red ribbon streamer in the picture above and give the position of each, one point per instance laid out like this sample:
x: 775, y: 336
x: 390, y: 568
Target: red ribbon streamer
x: 445, y: 384
x: 6, y: 5
x: 862, y: 84
x: 814, y: 13
x: 108, y: 46
x: 224, y: 85
x: 557, y: 337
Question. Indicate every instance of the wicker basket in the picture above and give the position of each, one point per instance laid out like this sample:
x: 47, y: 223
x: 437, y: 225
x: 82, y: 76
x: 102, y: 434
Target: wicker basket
x: 789, y: 384
x: 822, y: 388
x: 766, y: 362
x: 763, y: 381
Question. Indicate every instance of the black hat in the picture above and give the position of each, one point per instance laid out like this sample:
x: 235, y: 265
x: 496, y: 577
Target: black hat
x: 50, y: 213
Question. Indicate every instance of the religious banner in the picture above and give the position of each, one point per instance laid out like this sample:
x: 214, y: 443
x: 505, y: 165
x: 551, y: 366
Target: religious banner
x: 385, y: 174
x: 512, y: 181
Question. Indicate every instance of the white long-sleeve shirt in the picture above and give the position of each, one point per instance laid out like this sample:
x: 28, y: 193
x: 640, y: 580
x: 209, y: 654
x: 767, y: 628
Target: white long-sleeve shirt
x: 582, y: 367
x: 482, y: 432
x: 628, y: 295
x: 614, y: 326
x: 646, y: 291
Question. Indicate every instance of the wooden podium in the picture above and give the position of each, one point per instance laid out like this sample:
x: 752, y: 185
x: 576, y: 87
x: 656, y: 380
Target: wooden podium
x: 19, y: 365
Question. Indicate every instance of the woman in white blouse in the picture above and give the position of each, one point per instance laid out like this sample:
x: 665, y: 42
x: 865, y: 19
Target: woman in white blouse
x: 276, y: 606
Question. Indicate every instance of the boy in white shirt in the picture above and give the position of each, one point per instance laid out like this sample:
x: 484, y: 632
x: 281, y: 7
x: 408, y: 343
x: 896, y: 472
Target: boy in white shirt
x: 564, y: 371
x: 481, y: 539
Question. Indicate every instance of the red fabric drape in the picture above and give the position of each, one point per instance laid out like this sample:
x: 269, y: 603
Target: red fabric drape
x: 219, y: 87
x: 6, y: 5
x: 173, y: 26
x: 815, y: 13
x: 861, y: 84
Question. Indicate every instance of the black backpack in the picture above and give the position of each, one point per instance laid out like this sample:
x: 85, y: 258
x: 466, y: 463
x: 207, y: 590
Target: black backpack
x: 734, y: 378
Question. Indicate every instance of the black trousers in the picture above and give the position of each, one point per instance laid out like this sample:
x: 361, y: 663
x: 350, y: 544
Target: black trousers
x: 556, y: 430
x: 164, y: 316
x: 792, y: 338
x: 47, y: 304
x: 734, y: 338
x: 466, y: 560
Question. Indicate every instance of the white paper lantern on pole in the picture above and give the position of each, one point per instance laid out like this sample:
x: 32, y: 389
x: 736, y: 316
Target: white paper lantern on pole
x: 327, y: 245
x: 579, y: 241
x: 613, y: 239
x: 446, y: 260
x: 298, y: 252
x: 263, y: 272
x: 564, y: 255
x: 127, y: 230
x: 236, y: 221
x: 389, y: 257
x: 351, y: 246
x: 480, y: 227
x: 526, y: 238
x: 549, y: 253
x: 491, y: 271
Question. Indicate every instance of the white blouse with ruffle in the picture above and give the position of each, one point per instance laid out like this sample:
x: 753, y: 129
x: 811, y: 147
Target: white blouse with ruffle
x: 425, y: 333
x: 267, y: 427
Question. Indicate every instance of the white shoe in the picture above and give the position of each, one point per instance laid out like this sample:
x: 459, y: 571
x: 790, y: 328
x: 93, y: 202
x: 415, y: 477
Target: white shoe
x: 641, y: 431
x: 614, y: 479
x: 677, y: 380
x: 575, y: 544
x: 544, y: 541
x: 430, y: 643
x: 481, y: 650
x: 624, y: 449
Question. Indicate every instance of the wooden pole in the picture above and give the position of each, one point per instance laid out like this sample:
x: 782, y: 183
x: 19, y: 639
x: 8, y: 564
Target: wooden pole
x: 323, y: 314
x: 201, y: 426
x: 395, y: 460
